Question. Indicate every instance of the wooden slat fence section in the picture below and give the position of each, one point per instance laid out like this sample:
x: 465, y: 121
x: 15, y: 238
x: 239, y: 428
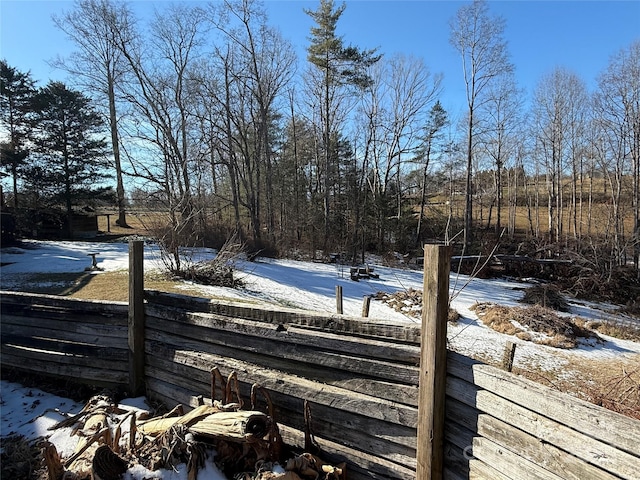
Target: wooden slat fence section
x: 85, y: 341
x: 362, y: 390
x: 354, y: 326
x: 360, y: 377
x: 525, y: 430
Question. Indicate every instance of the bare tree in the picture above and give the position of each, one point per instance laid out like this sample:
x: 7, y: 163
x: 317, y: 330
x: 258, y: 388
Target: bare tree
x: 396, y: 106
x: 161, y: 94
x: 617, y: 104
x: 559, y: 104
x: 501, y: 124
x: 478, y: 37
x: 98, y: 64
x: 263, y: 63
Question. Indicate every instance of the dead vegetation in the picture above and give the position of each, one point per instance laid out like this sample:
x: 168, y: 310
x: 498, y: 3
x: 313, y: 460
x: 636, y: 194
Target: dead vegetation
x: 409, y: 302
x: 20, y: 458
x: 245, y: 443
x: 610, y: 383
x: 536, y: 324
x: 619, y: 391
x: 547, y: 296
x: 616, y: 329
x: 219, y: 271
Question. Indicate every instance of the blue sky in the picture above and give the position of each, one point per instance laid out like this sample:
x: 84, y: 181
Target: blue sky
x: 578, y: 35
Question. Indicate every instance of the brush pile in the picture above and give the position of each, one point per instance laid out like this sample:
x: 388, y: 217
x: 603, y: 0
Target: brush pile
x: 536, y: 324
x: 247, y: 443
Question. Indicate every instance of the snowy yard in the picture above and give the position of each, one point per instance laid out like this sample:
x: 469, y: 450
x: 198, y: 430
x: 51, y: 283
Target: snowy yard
x: 298, y: 284
x: 311, y: 286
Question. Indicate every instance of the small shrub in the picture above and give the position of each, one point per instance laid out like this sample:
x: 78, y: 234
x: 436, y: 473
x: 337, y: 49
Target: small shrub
x: 219, y: 271
x: 547, y: 296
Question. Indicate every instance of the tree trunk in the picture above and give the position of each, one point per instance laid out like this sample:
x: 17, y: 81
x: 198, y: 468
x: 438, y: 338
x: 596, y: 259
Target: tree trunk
x: 115, y: 143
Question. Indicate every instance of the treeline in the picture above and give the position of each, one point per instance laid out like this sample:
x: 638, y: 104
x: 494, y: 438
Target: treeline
x: 214, y: 121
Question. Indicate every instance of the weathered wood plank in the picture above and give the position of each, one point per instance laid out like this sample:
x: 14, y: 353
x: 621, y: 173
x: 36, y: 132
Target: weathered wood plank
x: 525, y: 445
x: 77, y: 315
x: 188, y: 365
x: 548, y: 432
x: 354, y: 325
x: 62, y: 347
x: 116, y: 362
x: 364, y: 366
x: 607, y: 426
x: 510, y: 464
x: 88, y: 338
x: 292, y: 333
x: 541, y: 454
x: 362, y: 383
x: 303, y: 388
x: 35, y: 299
x: 459, y: 465
x: 90, y: 375
x: 105, y: 330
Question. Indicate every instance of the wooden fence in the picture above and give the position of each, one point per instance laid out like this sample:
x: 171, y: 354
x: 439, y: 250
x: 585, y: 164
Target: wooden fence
x: 361, y: 378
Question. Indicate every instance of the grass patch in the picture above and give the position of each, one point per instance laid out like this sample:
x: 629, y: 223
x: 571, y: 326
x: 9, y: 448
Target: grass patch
x: 108, y: 286
x: 535, y: 324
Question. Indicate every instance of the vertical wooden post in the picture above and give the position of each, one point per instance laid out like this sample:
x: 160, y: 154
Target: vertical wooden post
x: 433, y: 358
x: 508, y: 355
x: 339, y: 299
x: 136, y: 318
x: 366, y: 303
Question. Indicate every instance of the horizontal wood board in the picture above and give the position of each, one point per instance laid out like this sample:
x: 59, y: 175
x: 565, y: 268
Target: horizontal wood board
x: 525, y: 430
x: 80, y: 340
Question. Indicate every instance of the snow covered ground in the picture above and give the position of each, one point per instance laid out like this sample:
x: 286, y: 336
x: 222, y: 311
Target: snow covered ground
x: 297, y: 284
x: 30, y: 412
x: 312, y: 286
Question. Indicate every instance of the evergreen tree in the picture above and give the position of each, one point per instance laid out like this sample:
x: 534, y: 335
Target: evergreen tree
x: 17, y: 91
x: 339, y: 66
x: 70, y: 149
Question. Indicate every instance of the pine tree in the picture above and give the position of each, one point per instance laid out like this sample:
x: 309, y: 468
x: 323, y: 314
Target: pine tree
x: 17, y: 91
x: 339, y: 66
x: 70, y: 148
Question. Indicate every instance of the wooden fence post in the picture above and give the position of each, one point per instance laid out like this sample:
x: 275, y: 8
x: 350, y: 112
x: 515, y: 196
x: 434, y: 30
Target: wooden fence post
x: 508, y: 355
x: 136, y: 318
x: 366, y: 304
x: 339, y: 299
x: 433, y: 368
